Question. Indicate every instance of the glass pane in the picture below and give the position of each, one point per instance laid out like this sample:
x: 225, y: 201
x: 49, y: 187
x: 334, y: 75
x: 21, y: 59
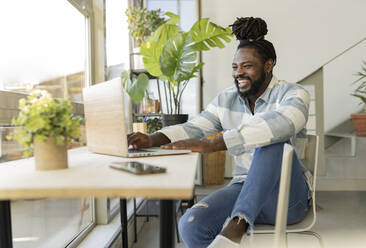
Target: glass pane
x: 45, y: 223
x: 117, y: 43
x: 186, y: 9
x: 117, y: 52
x: 42, y: 46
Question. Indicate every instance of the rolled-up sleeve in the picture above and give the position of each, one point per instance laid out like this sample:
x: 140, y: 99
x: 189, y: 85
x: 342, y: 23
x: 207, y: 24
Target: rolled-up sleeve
x: 277, y: 125
x: 202, y: 125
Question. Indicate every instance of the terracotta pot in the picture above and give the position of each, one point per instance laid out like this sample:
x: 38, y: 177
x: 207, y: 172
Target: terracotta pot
x: 359, y: 121
x: 49, y: 156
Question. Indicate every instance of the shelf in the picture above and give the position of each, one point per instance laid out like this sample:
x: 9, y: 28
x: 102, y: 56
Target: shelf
x: 147, y: 114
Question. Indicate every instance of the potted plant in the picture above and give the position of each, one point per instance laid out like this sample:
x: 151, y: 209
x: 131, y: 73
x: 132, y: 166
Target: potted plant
x: 171, y: 54
x: 141, y: 23
x: 359, y: 119
x: 47, y: 126
x: 136, y: 89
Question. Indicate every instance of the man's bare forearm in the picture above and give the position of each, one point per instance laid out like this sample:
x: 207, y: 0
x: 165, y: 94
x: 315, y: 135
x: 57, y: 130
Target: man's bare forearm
x: 218, y: 144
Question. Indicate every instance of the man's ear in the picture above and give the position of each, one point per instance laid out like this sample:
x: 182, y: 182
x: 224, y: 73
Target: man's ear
x: 268, y: 65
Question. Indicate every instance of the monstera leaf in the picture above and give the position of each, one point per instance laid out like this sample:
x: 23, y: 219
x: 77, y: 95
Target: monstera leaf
x: 178, y: 61
x: 152, y: 49
x: 135, y: 89
x: 206, y: 34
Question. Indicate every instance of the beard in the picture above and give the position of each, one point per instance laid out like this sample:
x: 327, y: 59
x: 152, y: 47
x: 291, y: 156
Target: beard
x: 255, y: 86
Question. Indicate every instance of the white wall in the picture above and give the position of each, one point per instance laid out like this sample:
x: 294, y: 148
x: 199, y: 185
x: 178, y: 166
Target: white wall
x: 306, y: 34
x: 338, y: 77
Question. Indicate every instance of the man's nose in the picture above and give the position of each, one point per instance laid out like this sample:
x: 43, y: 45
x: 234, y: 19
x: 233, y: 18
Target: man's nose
x: 239, y: 71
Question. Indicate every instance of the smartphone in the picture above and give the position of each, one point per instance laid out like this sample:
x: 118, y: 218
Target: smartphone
x: 137, y: 167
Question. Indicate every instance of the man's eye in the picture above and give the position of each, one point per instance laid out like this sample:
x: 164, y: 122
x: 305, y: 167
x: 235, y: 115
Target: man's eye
x: 247, y: 66
x: 234, y: 67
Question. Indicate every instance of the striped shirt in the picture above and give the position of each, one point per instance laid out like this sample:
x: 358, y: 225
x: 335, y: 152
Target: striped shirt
x: 280, y: 114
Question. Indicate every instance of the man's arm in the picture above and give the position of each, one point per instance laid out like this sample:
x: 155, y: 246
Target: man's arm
x: 277, y: 125
x: 139, y: 140
x: 198, y: 145
x: 204, y: 124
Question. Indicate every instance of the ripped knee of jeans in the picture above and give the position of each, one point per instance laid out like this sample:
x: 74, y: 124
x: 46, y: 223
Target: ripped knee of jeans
x: 198, y: 205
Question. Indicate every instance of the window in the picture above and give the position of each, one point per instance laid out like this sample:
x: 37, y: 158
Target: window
x: 117, y: 55
x: 186, y: 9
x: 42, y: 46
x: 117, y: 47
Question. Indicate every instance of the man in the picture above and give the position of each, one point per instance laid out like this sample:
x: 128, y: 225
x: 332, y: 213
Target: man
x: 256, y: 116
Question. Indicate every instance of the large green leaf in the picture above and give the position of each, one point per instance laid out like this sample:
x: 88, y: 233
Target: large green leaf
x: 152, y: 49
x: 151, y: 53
x: 206, y: 34
x: 135, y: 89
x: 173, y: 18
x: 178, y: 61
x: 363, y: 98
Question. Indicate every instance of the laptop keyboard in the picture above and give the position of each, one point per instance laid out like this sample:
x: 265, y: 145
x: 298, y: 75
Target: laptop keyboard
x: 139, y: 151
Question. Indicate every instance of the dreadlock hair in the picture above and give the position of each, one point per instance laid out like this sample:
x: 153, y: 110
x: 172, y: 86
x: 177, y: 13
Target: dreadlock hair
x: 250, y: 32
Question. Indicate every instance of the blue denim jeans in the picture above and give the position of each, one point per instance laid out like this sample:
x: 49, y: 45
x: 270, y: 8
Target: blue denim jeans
x: 255, y: 200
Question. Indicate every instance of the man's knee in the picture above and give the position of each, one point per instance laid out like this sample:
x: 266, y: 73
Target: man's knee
x: 192, y: 226
x: 273, y: 150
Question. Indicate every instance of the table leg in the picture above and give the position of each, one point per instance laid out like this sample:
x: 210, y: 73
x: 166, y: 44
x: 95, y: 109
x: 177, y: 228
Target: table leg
x: 6, y: 238
x: 124, y: 218
x: 166, y: 224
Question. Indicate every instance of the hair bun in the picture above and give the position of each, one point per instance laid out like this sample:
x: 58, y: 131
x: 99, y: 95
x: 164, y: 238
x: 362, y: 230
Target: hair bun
x: 249, y: 28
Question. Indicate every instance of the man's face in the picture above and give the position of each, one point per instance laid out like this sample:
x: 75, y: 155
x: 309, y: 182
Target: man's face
x: 248, y: 71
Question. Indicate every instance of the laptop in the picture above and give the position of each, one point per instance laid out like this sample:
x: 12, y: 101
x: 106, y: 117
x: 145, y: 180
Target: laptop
x: 106, y: 120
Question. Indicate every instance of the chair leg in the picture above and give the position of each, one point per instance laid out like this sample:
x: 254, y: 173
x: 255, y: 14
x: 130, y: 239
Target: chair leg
x: 190, y: 202
x: 181, y: 208
x: 176, y: 225
x: 134, y: 219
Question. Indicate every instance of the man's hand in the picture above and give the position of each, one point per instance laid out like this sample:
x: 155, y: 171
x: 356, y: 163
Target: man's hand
x: 140, y: 140
x: 197, y: 145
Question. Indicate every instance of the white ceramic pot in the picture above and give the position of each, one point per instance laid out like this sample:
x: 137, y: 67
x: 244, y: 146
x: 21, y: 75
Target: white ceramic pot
x: 49, y: 156
x: 138, y: 64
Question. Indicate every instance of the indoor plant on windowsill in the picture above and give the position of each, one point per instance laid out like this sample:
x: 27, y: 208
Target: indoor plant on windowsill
x: 47, y: 126
x: 141, y: 23
x: 359, y: 119
x: 171, y: 55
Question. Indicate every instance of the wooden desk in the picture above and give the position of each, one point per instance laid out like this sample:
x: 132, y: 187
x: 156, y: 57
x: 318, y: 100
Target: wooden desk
x: 89, y: 175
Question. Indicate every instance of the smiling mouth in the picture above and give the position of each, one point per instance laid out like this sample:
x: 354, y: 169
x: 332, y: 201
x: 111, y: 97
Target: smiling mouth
x: 243, y: 83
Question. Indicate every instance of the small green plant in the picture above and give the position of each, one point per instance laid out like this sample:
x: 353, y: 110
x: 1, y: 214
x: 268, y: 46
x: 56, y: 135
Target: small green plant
x: 42, y: 117
x: 135, y: 88
x: 154, y: 125
x: 360, y: 91
x: 142, y: 22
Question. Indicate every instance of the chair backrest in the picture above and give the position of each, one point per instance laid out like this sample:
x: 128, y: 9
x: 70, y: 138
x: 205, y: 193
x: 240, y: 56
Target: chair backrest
x: 311, y: 156
x: 283, y: 197
x: 311, y: 152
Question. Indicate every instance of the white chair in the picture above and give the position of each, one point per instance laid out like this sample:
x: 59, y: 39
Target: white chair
x: 281, y: 228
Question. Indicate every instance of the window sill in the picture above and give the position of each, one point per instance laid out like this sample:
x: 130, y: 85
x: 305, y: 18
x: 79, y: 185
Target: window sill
x: 105, y: 235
